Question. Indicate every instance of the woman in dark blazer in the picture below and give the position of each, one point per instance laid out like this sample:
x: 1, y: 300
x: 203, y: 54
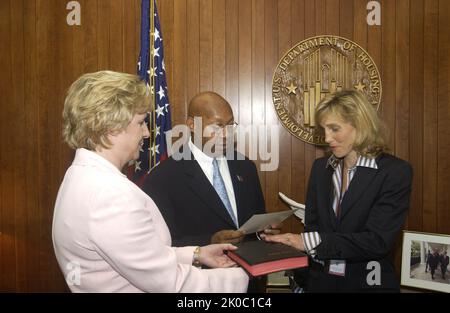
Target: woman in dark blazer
x: 356, y: 203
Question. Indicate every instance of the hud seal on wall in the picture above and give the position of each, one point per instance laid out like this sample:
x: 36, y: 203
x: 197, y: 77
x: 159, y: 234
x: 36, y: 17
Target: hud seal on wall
x: 313, y: 69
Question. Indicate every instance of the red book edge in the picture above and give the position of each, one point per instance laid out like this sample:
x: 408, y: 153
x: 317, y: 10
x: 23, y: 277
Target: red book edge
x: 270, y: 267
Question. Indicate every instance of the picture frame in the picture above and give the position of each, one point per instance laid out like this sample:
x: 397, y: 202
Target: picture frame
x: 421, y: 253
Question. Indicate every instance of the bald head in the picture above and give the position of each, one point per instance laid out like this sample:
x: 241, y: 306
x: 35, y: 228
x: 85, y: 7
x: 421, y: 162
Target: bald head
x: 209, y: 105
x: 212, y: 109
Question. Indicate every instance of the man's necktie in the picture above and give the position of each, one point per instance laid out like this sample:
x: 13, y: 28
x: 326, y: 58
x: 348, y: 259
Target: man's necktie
x: 219, y: 186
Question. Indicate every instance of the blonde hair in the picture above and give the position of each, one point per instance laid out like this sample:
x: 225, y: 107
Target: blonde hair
x: 354, y: 108
x: 99, y: 104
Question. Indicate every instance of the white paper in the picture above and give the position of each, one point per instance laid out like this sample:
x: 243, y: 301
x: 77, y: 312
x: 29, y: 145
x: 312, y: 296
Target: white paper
x: 259, y: 222
x: 298, y: 207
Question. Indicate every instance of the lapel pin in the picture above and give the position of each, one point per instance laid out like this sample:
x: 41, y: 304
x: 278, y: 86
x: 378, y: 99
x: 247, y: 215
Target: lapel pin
x: 239, y: 177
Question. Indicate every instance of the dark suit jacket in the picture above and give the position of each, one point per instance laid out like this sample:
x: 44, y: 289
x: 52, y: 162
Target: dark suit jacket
x: 373, y: 212
x: 190, y: 205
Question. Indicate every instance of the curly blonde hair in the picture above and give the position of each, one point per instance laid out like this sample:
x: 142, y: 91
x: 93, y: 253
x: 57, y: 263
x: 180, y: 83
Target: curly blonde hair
x: 354, y: 108
x: 99, y: 104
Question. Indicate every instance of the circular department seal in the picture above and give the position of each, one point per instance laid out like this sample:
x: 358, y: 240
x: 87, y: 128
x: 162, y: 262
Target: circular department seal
x: 313, y: 69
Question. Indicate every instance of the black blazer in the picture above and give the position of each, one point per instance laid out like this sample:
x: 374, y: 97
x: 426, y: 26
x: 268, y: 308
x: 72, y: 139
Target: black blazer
x: 373, y: 212
x: 190, y: 205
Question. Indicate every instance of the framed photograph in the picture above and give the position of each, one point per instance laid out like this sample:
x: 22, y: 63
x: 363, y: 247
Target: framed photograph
x: 425, y: 261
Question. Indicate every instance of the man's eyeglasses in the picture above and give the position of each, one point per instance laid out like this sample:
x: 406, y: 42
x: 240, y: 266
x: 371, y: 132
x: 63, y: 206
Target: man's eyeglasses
x: 217, y: 129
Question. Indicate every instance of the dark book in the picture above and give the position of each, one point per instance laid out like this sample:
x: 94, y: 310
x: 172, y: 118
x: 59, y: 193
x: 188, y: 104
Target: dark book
x: 259, y: 257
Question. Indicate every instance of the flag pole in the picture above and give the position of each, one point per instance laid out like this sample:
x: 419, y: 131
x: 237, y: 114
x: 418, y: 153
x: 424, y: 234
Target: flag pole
x: 152, y: 158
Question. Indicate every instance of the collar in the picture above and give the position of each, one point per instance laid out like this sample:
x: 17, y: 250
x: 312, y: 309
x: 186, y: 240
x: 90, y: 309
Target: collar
x: 87, y: 157
x: 200, y: 156
x: 362, y: 161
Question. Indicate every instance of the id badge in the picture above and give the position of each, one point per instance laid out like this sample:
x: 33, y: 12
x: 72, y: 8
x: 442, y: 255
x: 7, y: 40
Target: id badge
x: 337, y: 267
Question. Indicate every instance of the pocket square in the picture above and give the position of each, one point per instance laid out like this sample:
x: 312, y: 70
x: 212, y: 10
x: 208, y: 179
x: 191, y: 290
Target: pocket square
x: 240, y: 178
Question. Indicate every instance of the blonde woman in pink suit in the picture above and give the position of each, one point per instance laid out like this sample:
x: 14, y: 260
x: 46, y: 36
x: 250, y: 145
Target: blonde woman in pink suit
x: 108, y: 235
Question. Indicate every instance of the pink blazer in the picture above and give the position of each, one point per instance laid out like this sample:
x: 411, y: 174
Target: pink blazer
x: 109, y: 236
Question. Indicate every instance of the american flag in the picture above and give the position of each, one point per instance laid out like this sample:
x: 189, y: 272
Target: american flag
x: 154, y: 149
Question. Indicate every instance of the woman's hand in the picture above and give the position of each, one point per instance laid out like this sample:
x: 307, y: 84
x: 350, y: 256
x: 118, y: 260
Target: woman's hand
x: 213, y: 255
x: 292, y: 240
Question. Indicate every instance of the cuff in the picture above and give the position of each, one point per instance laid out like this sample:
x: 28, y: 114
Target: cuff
x: 311, y: 240
x: 184, y: 254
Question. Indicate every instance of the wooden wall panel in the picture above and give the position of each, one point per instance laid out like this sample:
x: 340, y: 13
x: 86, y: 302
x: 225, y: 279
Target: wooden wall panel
x: 284, y: 167
x: 51, y: 42
x: 30, y: 149
x: 310, y: 31
x: 443, y: 113
x: 41, y: 57
x: 258, y: 107
x: 206, y: 48
x: 179, y: 67
x: 320, y: 12
x: 131, y: 14
x: 374, y: 44
x: 416, y: 92
x: 231, y: 47
x: 7, y: 262
x: 271, y: 60
x: 346, y: 16
x: 116, y: 44
x: 219, y: 29
x: 388, y: 73
x: 430, y: 143
x: 244, y: 112
x: 401, y: 130
x: 332, y: 16
x: 298, y: 180
x: 232, y: 55
x: 17, y: 34
x: 402, y: 79
x: 192, y: 48
x: 104, y: 8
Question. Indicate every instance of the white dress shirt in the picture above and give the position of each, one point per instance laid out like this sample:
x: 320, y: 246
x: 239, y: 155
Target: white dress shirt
x: 205, y: 162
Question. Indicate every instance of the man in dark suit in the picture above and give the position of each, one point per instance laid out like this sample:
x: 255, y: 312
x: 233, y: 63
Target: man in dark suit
x: 186, y: 189
x: 427, y: 259
x: 434, y: 261
x: 444, y: 263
